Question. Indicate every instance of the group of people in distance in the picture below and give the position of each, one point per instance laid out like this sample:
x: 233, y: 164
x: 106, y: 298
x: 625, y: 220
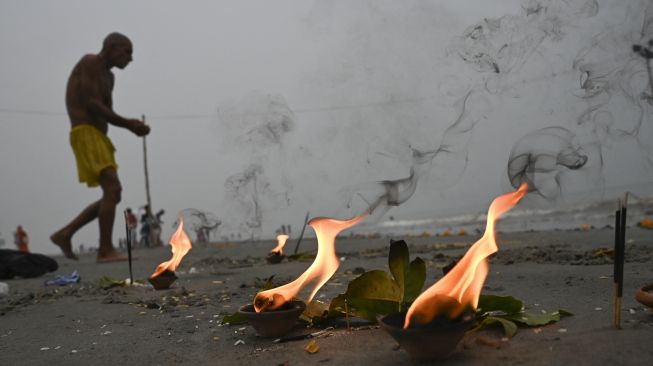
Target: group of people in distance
x: 150, y: 232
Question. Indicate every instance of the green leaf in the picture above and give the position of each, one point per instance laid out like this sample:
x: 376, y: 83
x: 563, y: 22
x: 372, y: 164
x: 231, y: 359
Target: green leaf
x: 316, y: 312
x: 535, y: 319
x: 507, y: 304
x: 234, y: 319
x: 376, y: 285
x: 315, y: 308
x: 409, y: 277
x: 372, y: 293
x: 106, y: 282
x: 398, y: 263
x: 414, y: 280
x: 509, y: 328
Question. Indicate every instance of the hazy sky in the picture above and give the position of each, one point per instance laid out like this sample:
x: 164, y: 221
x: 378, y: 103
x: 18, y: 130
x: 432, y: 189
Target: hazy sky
x: 290, y: 103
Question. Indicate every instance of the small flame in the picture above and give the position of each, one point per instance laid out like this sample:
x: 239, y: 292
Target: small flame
x: 325, y: 265
x: 281, y: 241
x: 180, y: 245
x: 461, y: 287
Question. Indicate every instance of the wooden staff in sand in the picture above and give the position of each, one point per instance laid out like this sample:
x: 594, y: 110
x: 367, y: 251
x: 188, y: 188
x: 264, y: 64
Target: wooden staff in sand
x: 154, y: 231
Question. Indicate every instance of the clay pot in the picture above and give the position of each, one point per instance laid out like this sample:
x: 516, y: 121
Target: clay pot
x: 433, y: 341
x: 273, y: 323
x: 274, y: 257
x: 163, y: 281
x: 645, y: 295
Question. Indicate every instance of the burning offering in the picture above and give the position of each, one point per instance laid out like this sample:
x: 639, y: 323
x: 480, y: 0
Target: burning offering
x: 276, y: 255
x: 439, y: 317
x: 325, y: 265
x: 180, y: 244
x: 275, y: 311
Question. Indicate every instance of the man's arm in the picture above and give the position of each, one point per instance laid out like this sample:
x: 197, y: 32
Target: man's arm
x: 97, y: 95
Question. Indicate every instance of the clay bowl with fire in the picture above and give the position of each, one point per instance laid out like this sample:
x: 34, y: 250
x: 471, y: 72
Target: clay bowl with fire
x: 645, y: 295
x: 164, y: 275
x: 274, y: 312
x: 163, y: 281
x: 428, y: 342
x: 439, y: 317
x: 273, y: 323
x: 276, y: 255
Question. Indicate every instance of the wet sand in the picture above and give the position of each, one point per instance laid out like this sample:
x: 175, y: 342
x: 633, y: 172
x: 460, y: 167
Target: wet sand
x: 83, y: 324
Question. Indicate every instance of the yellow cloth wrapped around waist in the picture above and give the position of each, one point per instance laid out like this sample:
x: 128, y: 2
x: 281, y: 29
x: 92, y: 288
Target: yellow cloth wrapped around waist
x: 94, y: 152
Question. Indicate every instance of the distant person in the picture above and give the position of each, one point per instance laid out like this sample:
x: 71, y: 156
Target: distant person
x: 90, y: 108
x: 21, y: 239
x: 155, y: 230
x: 151, y: 228
x: 132, y: 224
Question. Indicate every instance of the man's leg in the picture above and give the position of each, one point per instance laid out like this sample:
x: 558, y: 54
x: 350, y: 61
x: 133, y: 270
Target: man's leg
x: 63, y: 237
x: 111, y: 191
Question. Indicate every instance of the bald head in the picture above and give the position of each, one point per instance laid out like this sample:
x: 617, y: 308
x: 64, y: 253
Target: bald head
x: 114, y: 39
x: 117, y: 50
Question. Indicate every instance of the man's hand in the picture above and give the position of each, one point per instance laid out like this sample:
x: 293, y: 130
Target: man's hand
x: 138, y: 127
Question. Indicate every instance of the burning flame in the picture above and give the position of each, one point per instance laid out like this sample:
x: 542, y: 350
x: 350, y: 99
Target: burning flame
x: 281, y: 241
x: 180, y: 245
x: 325, y: 265
x: 461, y: 287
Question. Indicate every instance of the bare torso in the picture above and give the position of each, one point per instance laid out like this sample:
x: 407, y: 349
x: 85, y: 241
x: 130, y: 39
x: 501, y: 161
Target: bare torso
x: 90, y: 82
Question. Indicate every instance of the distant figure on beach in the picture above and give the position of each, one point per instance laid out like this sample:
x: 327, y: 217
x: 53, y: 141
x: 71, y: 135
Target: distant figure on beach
x: 151, y: 228
x: 90, y: 108
x: 132, y: 224
x: 21, y: 239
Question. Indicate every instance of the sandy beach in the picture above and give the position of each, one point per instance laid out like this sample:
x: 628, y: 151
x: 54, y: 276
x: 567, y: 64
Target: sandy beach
x: 82, y: 324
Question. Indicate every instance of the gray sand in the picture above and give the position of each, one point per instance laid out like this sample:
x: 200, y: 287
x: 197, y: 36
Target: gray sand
x: 83, y: 324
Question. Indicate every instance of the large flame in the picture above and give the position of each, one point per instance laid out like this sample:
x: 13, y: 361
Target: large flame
x: 461, y: 287
x: 324, y: 266
x: 180, y: 245
x: 281, y: 241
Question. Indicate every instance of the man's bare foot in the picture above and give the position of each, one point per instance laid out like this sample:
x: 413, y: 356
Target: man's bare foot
x: 63, y: 241
x: 113, y: 256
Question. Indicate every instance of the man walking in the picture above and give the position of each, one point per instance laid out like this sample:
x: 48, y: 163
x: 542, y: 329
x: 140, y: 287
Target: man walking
x: 90, y: 108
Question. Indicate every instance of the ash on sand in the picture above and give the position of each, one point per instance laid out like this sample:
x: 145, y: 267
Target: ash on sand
x: 137, y: 325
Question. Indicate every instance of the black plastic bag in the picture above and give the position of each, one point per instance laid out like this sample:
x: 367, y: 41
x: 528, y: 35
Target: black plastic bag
x: 14, y: 263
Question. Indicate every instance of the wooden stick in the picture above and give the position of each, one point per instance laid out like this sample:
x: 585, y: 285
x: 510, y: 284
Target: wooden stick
x: 129, y: 248
x: 148, y: 211
x: 301, y: 235
x: 147, y: 176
